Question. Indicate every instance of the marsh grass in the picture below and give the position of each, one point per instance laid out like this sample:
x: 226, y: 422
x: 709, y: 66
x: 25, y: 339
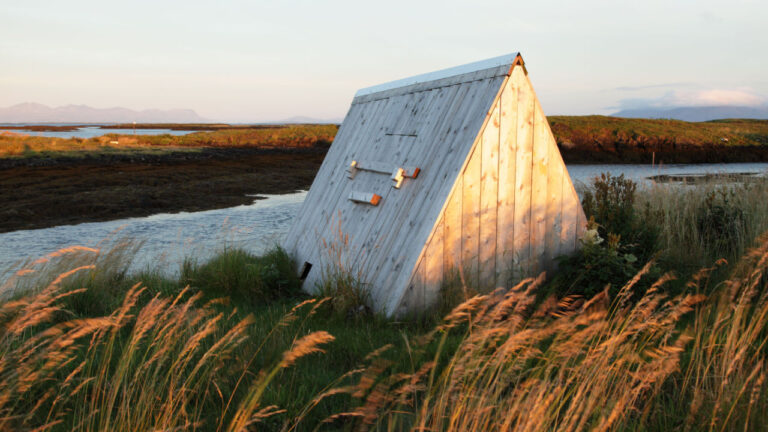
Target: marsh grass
x: 155, y: 362
x: 684, y: 362
x: 698, y: 225
x: 230, y: 345
x: 244, y: 277
x: 229, y: 387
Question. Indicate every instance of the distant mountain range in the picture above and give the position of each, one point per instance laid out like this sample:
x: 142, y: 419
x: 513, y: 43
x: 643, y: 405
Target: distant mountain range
x: 697, y: 114
x: 38, y: 113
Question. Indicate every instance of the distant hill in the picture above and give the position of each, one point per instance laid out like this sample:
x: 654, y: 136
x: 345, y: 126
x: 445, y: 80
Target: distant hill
x: 600, y: 139
x: 38, y: 113
x: 697, y: 114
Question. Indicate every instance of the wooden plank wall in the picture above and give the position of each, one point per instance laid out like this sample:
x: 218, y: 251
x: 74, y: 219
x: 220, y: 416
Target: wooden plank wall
x: 444, y: 160
x: 512, y: 210
x: 493, y: 201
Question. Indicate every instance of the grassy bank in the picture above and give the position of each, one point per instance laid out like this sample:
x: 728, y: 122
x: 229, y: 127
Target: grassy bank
x: 232, y: 344
x: 287, y: 136
x: 588, y: 139
x: 582, y: 139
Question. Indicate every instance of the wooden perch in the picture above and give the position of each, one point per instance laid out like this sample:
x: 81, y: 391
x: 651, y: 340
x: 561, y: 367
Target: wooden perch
x: 365, y: 198
x: 398, y: 174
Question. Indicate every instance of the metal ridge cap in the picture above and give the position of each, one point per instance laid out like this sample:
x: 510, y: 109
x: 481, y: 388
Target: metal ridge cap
x: 507, y: 59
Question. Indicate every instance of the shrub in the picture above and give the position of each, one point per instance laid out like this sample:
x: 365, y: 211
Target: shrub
x: 237, y: 273
x: 596, y: 265
x: 349, y: 297
x: 616, y: 245
x: 721, y: 224
x: 611, y: 201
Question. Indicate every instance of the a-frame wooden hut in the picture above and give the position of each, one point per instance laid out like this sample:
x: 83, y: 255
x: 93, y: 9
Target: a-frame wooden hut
x: 455, y: 170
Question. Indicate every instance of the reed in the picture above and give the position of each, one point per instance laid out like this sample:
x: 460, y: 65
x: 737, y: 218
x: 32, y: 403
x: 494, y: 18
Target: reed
x: 711, y: 220
x: 154, y: 363
x: 232, y: 345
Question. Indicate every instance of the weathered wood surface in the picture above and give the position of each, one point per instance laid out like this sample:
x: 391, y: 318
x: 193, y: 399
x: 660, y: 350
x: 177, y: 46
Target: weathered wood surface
x: 517, y: 147
x: 487, y: 194
x: 523, y: 173
x: 445, y: 162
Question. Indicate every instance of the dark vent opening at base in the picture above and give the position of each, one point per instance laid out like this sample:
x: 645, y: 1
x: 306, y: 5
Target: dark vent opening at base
x: 305, y: 270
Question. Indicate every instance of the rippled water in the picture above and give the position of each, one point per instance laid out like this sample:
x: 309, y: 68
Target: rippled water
x: 168, y: 238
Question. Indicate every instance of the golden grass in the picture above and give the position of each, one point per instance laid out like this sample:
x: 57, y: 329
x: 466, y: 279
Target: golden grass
x: 599, y: 364
x: 674, y: 211
x: 159, y: 366
x: 723, y: 383
x: 692, y: 361
x: 564, y: 366
x: 568, y: 364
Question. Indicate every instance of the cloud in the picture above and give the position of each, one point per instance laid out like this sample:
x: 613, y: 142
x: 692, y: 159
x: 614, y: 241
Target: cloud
x: 705, y: 97
x: 722, y: 97
x: 651, y: 86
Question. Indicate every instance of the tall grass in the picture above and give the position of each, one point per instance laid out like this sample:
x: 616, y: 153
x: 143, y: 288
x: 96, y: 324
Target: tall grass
x: 92, y: 347
x: 568, y: 365
x: 712, y: 220
x: 687, y: 362
x: 154, y: 363
x: 721, y: 382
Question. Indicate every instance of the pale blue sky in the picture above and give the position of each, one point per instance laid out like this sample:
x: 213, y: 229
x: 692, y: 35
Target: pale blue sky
x: 261, y: 61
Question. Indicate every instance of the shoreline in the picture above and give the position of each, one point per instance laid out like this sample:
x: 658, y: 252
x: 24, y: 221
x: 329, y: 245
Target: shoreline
x: 67, y: 190
x: 46, y: 182
x: 201, y: 127
x: 47, y: 191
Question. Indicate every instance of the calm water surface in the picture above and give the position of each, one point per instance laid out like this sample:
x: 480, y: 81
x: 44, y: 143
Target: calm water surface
x: 94, y: 131
x: 168, y: 238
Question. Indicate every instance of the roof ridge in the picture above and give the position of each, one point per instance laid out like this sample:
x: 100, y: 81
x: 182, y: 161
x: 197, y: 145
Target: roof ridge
x: 507, y: 59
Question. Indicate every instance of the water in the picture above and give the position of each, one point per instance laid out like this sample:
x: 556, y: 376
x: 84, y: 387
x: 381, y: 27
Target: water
x: 168, y: 238
x: 583, y: 174
x: 87, y: 132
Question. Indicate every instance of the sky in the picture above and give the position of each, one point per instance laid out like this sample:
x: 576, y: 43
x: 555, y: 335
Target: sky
x: 250, y: 61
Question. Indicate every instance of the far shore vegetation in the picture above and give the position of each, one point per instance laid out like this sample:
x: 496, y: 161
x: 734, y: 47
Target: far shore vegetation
x: 582, y: 139
x: 600, y: 139
x: 17, y: 144
x: 658, y: 323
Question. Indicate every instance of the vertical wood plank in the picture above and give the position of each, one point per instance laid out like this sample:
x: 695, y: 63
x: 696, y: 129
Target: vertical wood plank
x: 539, y: 199
x: 554, y: 203
x: 489, y: 197
x: 452, y: 231
x: 523, y: 172
x: 418, y: 286
x: 470, y: 223
x: 505, y: 209
x: 433, y: 275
